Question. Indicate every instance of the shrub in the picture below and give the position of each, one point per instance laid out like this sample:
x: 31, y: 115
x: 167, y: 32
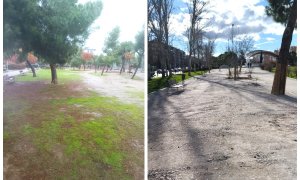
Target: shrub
x: 268, y: 65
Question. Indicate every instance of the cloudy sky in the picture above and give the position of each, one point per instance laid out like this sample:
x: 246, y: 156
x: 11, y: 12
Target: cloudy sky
x: 248, y: 17
x: 129, y: 15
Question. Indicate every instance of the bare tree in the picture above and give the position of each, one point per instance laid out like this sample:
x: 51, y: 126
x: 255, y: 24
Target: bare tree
x: 287, y: 15
x: 209, y: 48
x: 159, y: 12
x: 196, y: 8
x: 243, y: 47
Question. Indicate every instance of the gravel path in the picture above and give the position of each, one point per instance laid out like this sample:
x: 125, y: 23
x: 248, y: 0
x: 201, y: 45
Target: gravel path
x: 115, y: 85
x: 223, y: 129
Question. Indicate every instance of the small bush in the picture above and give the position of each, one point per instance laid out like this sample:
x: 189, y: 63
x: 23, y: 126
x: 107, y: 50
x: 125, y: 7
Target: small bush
x: 292, y: 72
x: 268, y: 66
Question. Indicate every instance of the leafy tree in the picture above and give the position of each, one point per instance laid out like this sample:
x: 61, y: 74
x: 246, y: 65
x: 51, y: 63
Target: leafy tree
x: 31, y: 58
x: 112, y: 41
x: 139, y: 49
x: 111, y: 47
x: 284, y: 12
x: 108, y: 61
x: 86, y: 58
x: 76, y: 60
x: 229, y: 59
x: 53, y: 29
x: 293, y: 59
x: 124, y: 50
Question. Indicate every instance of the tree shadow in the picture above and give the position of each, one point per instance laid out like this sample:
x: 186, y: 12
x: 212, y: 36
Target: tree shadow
x: 282, y: 99
x: 158, y: 125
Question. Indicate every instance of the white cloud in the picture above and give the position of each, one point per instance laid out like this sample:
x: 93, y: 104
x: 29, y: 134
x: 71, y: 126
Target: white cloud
x: 129, y: 15
x: 248, y: 18
x: 270, y: 39
x: 183, y: 9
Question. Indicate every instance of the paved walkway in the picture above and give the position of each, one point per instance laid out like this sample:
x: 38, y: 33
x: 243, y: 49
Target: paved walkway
x: 223, y: 129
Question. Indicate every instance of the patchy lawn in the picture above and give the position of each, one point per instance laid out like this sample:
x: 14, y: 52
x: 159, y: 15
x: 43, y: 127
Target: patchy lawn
x: 65, y: 131
x: 45, y: 75
x: 159, y: 83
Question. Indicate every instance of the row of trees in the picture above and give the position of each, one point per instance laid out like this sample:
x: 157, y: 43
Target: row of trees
x: 199, y: 44
x: 159, y: 12
x: 52, y: 29
x: 115, y: 53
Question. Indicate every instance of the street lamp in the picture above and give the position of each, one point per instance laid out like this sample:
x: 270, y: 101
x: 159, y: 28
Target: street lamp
x: 232, y: 34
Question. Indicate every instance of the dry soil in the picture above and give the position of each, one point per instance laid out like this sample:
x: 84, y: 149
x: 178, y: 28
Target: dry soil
x: 218, y: 128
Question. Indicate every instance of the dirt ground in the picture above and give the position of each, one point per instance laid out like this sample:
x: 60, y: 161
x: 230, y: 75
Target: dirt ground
x: 223, y: 129
x: 115, y: 85
x: 21, y: 158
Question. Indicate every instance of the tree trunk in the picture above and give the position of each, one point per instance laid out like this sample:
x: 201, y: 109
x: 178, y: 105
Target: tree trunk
x: 103, y: 70
x: 279, y: 82
x: 229, y: 72
x: 122, y: 67
x: 241, y: 66
x: 53, y: 74
x: 235, y: 72
x: 32, y: 68
x: 107, y: 68
x: 140, y: 60
x: 190, y: 62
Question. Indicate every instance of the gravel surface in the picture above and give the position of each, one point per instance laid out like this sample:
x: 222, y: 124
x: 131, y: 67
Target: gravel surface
x: 218, y: 128
x: 115, y: 85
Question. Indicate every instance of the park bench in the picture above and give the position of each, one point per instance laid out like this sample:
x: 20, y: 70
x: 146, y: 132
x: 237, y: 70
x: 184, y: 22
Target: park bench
x: 172, y: 84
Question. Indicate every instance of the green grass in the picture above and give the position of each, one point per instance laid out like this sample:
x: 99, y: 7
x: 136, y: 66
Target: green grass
x: 45, y: 75
x: 292, y: 71
x: 134, y: 94
x: 89, y: 140
x: 159, y: 83
x: 98, y: 73
x: 80, y: 137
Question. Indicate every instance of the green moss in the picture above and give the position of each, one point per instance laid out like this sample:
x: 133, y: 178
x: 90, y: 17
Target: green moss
x: 93, y: 140
x: 136, y: 94
x: 6, y: 136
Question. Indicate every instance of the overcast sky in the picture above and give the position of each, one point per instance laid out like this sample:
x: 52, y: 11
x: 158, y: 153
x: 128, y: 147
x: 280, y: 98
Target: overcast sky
x: 248, y: 17
x: 129, y: 15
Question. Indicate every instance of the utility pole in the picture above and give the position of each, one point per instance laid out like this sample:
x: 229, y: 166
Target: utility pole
x: 233, y: 50
x: 232, y: 36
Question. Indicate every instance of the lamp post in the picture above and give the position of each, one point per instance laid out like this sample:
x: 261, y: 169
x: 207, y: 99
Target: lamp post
x: 232, y: 36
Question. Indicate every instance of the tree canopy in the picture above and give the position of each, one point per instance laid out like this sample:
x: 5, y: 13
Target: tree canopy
x: 284, y: 12
x: 279, y: 10
x: 52, y: 29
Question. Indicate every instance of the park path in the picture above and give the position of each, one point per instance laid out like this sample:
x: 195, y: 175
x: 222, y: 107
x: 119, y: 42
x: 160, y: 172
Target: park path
x: 267, y: 78
x: 115, y: 85
x: 223, y: 129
